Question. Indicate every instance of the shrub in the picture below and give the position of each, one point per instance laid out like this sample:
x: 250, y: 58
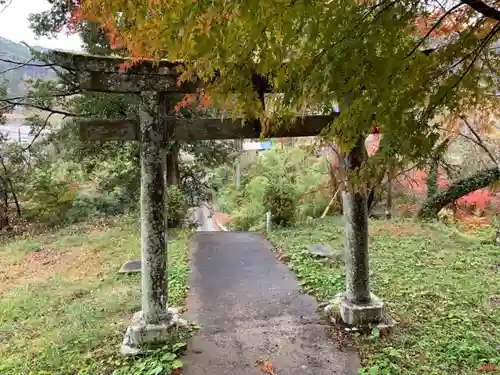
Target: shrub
x: 280, y: 200
x: 288, y: 182
x: 52, y: 191
x: 177, y: 206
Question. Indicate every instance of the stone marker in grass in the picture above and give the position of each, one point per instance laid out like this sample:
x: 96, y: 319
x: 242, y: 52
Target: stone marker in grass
x: 132, y: 266
x: 325, y: 251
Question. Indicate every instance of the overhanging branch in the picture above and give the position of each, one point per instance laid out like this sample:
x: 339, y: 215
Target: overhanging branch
x: 483, y: 8
x: 40, y: 107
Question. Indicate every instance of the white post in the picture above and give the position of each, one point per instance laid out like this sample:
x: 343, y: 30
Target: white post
x: 239, y: 146
x: 268, y: 221
x: 238, y: 173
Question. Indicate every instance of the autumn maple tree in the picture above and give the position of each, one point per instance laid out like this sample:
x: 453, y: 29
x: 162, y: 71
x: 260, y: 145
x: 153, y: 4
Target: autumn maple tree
x: 315, y: 53
x: 415, y: 64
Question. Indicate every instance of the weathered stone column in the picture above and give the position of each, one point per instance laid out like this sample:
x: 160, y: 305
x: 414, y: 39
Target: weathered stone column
x: 152, y: 324
x: 354, y: 203
x: 153, y: 252
x: 357, y: 306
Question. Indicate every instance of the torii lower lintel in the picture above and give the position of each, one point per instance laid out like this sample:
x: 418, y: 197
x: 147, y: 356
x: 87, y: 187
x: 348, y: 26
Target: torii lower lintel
x: 202, y: 129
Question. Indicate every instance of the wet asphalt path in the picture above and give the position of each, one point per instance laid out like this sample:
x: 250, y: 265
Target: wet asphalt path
x: 249, y: 307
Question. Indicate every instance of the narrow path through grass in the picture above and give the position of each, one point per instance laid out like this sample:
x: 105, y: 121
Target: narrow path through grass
x: 64, y: 308
x: 442, y: 286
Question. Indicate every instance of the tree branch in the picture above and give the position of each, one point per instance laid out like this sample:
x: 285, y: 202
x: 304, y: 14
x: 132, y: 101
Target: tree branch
x: 42, y: 128
x: 434, y: 27
x: 6, y: 6
x: 483, y: 8
x: 477, y: 51
x: 42, y: 108
x: 27, y: 63
x: 479, y: 142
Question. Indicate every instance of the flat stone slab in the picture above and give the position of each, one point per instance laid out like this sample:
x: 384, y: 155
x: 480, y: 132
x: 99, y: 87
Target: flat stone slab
x: 250, y: 309
x: 325, y: 251
x: 132, y: 266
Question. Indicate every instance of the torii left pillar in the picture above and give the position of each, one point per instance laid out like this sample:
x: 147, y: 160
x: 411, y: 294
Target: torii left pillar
x: 154, y: 323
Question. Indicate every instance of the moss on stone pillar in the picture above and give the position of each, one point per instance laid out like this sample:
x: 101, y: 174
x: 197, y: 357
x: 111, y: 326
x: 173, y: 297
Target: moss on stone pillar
x: 153, y: 254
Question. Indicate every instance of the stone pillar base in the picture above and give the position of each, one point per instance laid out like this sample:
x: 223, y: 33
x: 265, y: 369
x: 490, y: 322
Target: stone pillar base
x: 140, y: 335
x: 357, y: 315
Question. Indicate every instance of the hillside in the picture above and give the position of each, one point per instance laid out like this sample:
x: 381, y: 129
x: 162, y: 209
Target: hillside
x: 14, y: 79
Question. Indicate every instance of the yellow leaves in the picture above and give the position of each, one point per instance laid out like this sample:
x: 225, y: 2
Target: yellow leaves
x: 278, y: 35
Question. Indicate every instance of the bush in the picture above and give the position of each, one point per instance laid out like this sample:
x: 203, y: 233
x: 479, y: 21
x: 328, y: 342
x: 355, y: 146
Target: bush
x: 52, y: 191
x: 280, y: 200
x: 177, y: 206
x: 288, y: 182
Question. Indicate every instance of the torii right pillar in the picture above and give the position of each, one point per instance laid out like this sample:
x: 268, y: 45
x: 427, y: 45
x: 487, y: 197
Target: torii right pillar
x: 357, y: 306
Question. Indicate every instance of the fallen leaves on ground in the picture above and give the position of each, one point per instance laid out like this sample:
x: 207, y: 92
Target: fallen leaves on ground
x: 267, y: 367
x: 489, y: 368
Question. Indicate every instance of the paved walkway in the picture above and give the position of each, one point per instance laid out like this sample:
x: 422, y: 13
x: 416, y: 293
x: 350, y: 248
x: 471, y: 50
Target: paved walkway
x: 249, y: 308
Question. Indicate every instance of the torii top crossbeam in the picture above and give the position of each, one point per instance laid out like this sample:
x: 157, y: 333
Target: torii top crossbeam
x: 103, y: 74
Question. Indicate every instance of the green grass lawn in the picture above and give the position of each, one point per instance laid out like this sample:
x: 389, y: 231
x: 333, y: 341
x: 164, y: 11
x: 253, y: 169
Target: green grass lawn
x: 63, y: 307
x: 442, y: 286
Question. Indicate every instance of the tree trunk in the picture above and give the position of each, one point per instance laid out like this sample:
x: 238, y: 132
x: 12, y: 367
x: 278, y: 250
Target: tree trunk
x: 173, y: 175
x: 12, y: 189
x: 432, y: 178
x: 457, y: 190
x: 388, y: 205
x: 4, y: 211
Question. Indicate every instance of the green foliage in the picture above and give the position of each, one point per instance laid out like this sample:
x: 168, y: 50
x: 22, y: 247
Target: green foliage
x: 289, y: 182
x: 53, y: 189
x: 177, y: 205
x: 374, y: 53
x: 161, y: 361
x: 440, y: 284
x: 280, y: 200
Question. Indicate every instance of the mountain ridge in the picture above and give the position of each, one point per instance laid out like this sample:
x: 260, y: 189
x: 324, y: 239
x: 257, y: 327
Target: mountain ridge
x: 12, y: 75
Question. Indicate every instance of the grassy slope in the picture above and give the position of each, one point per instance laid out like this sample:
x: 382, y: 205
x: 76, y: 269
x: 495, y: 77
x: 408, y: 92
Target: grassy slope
x: 63, y: 307
x: 443, y: 287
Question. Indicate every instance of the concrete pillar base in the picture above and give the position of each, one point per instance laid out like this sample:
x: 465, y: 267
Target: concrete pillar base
x: 140, y: 335
x: 357, y: 315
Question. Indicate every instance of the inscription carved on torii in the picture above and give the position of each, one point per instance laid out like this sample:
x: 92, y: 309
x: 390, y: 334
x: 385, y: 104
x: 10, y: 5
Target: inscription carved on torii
x: 152, y: 83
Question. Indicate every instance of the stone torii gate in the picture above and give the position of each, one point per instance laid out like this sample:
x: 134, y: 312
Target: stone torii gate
x: 153, y: 83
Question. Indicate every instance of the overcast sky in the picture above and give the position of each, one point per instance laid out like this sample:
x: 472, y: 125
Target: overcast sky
x: 14, y: 25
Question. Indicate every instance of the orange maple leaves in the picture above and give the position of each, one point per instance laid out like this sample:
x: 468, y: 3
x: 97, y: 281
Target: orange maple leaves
x: 447, y: 24
x: 267, y: 367
x: 189, y: 100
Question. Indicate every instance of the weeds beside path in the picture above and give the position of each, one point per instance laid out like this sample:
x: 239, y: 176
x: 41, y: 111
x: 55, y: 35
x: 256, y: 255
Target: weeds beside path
x: 64, y: 308
x: 442, y: 286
